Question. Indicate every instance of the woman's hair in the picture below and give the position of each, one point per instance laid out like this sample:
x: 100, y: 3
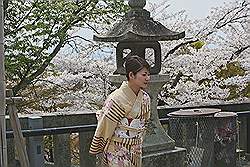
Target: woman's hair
x: 134, y: 64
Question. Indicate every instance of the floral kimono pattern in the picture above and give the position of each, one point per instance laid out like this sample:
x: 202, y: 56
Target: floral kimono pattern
x: 121, y: 126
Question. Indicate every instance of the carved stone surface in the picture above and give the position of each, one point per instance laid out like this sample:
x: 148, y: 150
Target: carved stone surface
x: 139, y: 26
x: 136, y: 3
x: 138, y: 31
x: 166, y: 158
x: 138, y: 48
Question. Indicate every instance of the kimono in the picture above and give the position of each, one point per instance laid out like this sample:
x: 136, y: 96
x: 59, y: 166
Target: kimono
x: 121, y: 126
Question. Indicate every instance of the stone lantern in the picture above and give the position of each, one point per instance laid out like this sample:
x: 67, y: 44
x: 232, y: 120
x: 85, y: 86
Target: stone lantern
x: 136, y: 33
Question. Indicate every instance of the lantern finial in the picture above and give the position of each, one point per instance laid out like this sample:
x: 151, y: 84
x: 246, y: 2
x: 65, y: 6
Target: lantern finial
x: 137, y: 3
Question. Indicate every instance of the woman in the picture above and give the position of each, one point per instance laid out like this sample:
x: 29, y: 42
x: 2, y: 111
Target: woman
x: 121, y: 123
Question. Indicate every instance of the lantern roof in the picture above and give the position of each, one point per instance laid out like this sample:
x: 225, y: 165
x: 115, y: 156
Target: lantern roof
x: 139, y: 26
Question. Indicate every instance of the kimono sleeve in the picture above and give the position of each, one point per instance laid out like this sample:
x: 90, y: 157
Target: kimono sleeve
x: 112, y: 113
x: 146, y: 102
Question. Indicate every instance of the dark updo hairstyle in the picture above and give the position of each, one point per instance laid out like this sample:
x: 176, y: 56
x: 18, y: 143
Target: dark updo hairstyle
x: 134, y: 64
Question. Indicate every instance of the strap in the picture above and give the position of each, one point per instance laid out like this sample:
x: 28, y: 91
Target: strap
x: 129, y: 141
x: 125, y: 127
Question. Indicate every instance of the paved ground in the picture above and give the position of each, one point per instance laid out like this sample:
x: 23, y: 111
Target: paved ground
x: 243, y: 164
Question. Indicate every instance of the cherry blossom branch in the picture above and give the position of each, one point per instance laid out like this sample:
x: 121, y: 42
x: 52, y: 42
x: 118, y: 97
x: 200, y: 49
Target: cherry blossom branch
x: 177, y: 47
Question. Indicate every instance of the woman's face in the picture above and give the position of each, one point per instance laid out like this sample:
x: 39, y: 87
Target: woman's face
x: 141, y: 78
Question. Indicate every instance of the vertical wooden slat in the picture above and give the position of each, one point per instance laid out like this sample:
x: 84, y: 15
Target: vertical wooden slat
x: 3, y: 144
x: 242, y: 133
x: 86, y: 160
x: 62, y: 153
x: 248, y: 136
x: 18, y: 136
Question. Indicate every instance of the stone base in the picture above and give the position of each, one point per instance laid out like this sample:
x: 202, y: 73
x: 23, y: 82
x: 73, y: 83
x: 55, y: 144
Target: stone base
x: 170, y: 158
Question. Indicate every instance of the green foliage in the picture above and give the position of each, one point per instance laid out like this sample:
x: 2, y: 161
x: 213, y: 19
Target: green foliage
x: 246, y: 92
x: 197, y: 45
x: 233, y: 92
x: 231, y: 69
x: 35, y: 31
x: 37, y: 94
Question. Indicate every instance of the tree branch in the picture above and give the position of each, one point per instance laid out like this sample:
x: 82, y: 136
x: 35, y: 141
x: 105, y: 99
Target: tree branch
x: 178, y: 46
x: 78, y: 36
x: 238, y: 52
x: 177, y: 79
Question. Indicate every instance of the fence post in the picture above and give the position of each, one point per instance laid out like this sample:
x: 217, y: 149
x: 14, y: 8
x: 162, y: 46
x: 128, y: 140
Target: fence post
x: 62, y: 153
x: 248, y: 138
x: 35, y: 144
x: 86, y: 160
x: 242, y: 141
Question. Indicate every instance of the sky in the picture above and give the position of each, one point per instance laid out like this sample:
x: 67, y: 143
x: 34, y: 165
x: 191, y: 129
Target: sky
x: 196, y: 9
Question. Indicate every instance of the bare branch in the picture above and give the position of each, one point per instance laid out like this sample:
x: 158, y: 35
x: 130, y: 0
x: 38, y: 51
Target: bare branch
x: 78, y: 36
x: 238, y: 52
x: 177, y: 79
x: 241, y: 50
x: 91, y: 27
x: 178, y: 46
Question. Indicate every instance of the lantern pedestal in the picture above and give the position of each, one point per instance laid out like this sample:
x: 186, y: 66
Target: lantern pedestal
x: 158, y: 148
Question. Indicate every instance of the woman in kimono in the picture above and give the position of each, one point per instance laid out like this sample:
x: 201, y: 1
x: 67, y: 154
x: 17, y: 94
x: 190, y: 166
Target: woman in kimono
x: 122, y: 121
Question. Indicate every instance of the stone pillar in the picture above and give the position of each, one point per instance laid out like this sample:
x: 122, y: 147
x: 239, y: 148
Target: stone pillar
x: 156, y: 137
x: 86, y: 159
x: 62, y: 154
x: 35, y: 144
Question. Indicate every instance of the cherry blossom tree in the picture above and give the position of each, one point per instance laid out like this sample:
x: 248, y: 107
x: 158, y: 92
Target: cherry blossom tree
x: 217, y: 72
x: 209, y: 66
x: 36, y: 31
